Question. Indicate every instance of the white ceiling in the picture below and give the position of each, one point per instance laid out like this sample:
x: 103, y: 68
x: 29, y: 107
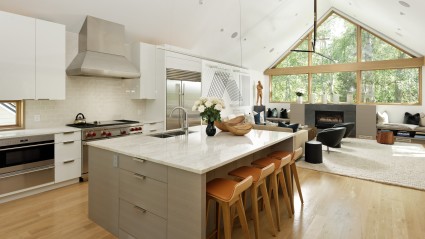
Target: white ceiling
x: 205, y: 26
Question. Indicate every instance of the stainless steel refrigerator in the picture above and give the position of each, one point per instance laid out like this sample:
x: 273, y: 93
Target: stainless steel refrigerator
x: 182, y: 91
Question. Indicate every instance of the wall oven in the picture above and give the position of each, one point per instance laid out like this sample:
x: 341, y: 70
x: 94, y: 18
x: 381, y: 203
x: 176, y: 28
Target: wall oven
x: 26, y: 162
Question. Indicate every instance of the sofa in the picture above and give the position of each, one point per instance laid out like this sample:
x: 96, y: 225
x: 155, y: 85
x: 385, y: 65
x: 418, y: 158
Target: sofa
x: 300, y: 137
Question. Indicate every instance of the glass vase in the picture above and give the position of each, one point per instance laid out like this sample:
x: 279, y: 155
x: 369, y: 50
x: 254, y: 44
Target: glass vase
x: 210, y: 128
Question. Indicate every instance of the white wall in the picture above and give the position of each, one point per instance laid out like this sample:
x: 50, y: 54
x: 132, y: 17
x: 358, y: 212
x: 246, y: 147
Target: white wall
x: 97, y: 98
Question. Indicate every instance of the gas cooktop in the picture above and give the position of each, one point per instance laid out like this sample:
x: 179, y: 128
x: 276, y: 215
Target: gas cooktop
x: 103, y: 123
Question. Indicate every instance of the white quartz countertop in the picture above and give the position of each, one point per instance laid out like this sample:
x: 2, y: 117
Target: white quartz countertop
x: 196, y: 152
x: 30, y: 132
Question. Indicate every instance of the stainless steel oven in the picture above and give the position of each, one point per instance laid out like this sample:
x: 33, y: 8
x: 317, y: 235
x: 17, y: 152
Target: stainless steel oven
x: 26, y: 162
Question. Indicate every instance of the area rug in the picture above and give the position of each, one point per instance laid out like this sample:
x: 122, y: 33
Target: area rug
x: 400, y: 164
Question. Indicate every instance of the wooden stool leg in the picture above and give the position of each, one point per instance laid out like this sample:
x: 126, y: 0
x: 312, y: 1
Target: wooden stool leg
x: 297, y: 181
x: 288, y: 180
x: 242, y: 217
x: 286, y: 196
x: 274, y: 189
x: 267, y: 206
x: 254, y: 201
x: 226, y: 220
x: 218, y: 220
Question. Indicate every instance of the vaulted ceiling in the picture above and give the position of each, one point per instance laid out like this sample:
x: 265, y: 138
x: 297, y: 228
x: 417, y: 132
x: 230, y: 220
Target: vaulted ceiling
x: 251, y: 33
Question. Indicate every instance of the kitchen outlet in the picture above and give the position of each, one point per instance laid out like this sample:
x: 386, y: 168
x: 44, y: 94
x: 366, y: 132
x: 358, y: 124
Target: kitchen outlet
x: 36, y: 118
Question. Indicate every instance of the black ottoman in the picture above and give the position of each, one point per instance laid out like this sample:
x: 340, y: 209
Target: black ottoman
x: 313, y: 152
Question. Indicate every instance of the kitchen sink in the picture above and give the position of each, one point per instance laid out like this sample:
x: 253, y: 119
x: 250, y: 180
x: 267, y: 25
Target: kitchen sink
x: 168, y: 134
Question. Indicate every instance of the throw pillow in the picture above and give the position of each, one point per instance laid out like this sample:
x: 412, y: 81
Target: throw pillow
x: 382, y: 118
x: 411, y: 119
x: 422, y: 123
x: 294, y: 127
x: 274, y: 113
x: 262, y: 120
x: 269, y: 112
x: 256, y: 117
x: 283, y: 114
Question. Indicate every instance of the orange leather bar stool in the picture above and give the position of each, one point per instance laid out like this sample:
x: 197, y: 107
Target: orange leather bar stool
x: 277, y: 175
x: 258, y: 176
x: 227, y: 193
x: 294, y: 173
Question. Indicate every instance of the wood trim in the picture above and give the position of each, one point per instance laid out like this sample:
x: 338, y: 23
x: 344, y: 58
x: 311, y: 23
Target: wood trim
x: 19, y: 116
x: 358, y: 66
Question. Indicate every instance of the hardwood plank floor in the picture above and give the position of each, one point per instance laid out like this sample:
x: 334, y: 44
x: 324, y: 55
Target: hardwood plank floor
x: 334, y: 207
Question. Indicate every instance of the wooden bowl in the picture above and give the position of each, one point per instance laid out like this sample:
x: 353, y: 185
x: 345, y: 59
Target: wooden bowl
x: 222, y: 125
x: 239, y: 129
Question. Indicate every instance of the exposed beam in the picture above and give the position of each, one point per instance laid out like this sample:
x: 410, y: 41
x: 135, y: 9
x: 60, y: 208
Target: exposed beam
x: 359, y: 66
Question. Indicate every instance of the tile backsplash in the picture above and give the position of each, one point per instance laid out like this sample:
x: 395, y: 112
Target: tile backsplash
x: 97, y: 98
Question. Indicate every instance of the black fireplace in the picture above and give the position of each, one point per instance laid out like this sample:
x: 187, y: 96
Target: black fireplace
x: 327, y: 119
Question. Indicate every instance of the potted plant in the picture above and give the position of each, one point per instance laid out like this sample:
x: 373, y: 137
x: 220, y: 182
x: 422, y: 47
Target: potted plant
x: 209, y: 108
x: 299, y: 94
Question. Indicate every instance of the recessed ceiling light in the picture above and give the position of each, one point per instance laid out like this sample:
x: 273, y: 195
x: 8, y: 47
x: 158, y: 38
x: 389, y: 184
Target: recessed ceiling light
x: 222, y: 30
x: 271, y: 50
x: 264, y: 47
x: 296, y: 14
x: 398, y: 29
x: 398, y: 33
x: 349, y: 3
x: 402, y: 13
x: 244, y: 39
x: 404, y: 4
x: 235, y: 34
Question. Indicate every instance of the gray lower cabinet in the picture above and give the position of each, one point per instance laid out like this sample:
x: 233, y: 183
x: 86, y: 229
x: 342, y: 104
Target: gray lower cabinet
x: 127, y: 196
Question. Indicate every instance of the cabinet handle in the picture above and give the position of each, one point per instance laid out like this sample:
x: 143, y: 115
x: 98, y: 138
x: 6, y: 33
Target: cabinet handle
x: 69, y: 161
x: 71, y: 132
x: 140, y: 209
x: 139, y: 160
x: 138, y: 176
x: 152, y: 130
x: 68, y: 142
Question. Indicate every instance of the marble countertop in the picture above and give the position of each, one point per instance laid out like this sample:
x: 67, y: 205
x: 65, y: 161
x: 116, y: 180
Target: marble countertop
x: 30, y: 132
x: 196, y: 152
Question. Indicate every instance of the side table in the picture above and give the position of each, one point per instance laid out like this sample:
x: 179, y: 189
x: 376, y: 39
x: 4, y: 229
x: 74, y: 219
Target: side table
x: 313, y: 152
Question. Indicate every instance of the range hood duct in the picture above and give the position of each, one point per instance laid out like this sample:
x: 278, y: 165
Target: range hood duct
x: 101, y: 51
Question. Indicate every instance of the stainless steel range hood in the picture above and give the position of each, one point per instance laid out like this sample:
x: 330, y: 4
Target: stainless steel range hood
x: 101, y: 51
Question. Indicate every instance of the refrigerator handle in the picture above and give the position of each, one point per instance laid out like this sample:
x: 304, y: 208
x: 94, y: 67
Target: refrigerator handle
x: 183, y: 89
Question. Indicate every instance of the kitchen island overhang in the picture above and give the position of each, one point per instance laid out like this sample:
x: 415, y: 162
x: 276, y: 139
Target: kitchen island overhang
x: 177, y: 168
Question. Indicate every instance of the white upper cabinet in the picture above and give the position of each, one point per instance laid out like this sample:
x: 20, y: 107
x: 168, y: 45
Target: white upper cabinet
x: 144, y: 57
x: 17, y: 57
x: 50, y: 60
x: 32, y: 58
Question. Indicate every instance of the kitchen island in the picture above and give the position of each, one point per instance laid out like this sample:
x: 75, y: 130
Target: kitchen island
x: 146, y: 187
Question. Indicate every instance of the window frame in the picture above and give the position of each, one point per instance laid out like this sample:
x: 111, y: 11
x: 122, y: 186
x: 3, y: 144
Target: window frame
x: 357, y: 67
x: 19, y: 115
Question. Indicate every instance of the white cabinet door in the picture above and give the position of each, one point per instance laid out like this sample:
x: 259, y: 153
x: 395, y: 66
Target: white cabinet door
x: 143, y: 56
x: 67, y: 160
x: 17, y: 57
x: 50, y: 60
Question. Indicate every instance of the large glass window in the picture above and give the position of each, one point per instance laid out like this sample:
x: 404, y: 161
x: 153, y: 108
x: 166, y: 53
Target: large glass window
x: 376, y: 49
x: 339, y: 83
x: 391, y: 86
x: 336, y: 39
x: 296, y: 58
x: 284, y: 87
x: 10, y: 114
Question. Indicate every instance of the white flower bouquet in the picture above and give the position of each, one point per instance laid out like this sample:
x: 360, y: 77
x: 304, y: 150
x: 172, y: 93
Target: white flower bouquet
x: 209, y: 108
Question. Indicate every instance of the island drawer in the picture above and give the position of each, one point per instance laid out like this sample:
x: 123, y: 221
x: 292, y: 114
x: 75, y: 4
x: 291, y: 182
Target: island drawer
x: 140, y: 223
x: 144, y: 192
x: 144, y: 167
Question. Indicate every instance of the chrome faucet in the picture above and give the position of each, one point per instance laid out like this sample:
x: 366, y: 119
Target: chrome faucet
x: 185, y: 125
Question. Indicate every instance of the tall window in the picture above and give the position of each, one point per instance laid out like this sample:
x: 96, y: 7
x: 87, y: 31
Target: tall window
x: 349, y: 60
x: 10, y: 114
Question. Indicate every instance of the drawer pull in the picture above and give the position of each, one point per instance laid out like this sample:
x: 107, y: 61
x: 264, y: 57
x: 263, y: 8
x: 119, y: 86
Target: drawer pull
x: 69, y: 161
x: 71, y: 132
x: 139, y: 160
x: 140, y: 209
x: 68, y: 142
x: 138, y: 176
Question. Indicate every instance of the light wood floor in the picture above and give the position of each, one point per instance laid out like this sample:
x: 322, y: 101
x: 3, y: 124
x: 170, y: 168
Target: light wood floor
x: 334, y: 207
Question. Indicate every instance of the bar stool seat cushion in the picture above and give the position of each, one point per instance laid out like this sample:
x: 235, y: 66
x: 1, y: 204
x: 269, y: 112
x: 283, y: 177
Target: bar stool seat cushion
x: 245, y: 171
x: 221, y: 188
x: 263, y: 162
x: 279, y: 154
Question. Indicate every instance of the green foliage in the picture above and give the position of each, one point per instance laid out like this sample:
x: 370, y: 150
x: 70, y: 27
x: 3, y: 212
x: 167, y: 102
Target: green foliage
x: 336, y: 39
